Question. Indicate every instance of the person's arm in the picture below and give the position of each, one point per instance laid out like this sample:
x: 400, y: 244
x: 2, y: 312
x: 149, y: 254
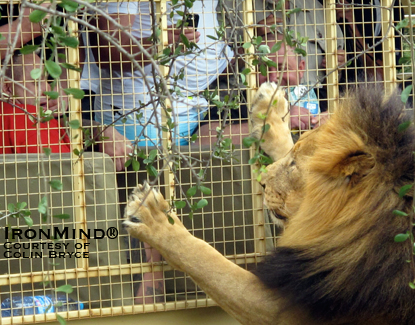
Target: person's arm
x: 111, y: 142
x: 28, y: 31
x: 301, y: 118
x: 372, y: 66
x: 109, y: 55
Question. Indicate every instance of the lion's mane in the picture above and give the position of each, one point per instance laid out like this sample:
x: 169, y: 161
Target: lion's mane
x: 337, y: 257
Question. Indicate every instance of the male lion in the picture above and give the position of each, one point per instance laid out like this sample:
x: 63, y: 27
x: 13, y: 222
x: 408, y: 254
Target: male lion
x: 337, y: 261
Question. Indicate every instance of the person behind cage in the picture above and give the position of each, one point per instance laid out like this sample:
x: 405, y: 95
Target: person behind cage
x: 29, y: 32
x: 20, y: 121
x: 124, y: 88
x: 361, y: 21
x: 288, y: 74
x: 305, y: 18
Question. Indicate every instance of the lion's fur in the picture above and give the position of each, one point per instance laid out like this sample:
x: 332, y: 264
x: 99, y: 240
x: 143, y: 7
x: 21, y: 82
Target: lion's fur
x: 337, y: 257
x: 336, y: 262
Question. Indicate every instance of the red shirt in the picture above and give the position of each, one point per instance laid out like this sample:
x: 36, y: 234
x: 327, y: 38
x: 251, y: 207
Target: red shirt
x: 18, y: 134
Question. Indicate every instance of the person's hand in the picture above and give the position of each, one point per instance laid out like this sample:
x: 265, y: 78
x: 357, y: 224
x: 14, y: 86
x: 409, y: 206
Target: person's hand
x: 116, y: 146
x: 266, y: 25
x: 301, y: 119
x: 319, y: 119
x: 189, y: 32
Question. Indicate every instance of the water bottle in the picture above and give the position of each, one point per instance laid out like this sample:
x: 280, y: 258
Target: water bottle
x: 30, y: 305
x: 308, y: 101
x: 64, y: 303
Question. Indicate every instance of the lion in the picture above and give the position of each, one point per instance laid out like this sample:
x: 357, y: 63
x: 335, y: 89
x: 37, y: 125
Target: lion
x: 336, y: 189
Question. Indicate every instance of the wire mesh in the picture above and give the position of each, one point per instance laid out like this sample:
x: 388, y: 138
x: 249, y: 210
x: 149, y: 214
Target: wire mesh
x: 184, y: 117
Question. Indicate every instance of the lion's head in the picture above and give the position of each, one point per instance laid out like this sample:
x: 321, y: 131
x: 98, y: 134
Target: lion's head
x: 338, y: 187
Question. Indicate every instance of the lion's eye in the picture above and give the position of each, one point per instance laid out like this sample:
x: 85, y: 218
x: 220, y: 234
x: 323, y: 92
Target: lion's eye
x: 292, y: 164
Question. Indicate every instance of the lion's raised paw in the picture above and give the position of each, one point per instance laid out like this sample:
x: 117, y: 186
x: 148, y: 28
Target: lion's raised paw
x: 147, y: 214
x: 267, y: 94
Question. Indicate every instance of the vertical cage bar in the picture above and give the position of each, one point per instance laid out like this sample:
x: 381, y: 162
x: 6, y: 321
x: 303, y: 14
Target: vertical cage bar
x: 388, y: 47
x: 257, y: 205
x: 331, y: 55
x: 76, y: 142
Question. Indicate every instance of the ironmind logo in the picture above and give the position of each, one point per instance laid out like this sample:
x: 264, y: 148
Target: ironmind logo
x: 63, y: 233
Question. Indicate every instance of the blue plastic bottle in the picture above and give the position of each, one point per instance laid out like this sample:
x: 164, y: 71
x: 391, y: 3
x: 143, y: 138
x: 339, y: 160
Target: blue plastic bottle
x: 31, y: 305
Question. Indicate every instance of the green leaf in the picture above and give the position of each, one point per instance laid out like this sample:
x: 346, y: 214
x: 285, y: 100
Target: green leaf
x: 74, y: 124
x: 264, y: 49
x: 404, y: 189
x: 399, y: 213
x: 293, y: 11
x: 76, y: 152
x: 69, y: 41
x: 71, y: 67
x: 258, y: 40
x: 411, y: 285
x: 185, y: 40
x: 136, y: 165
x: 171, y: 220
x: 11, y: 207
x: 247, y: 45
x: 152, y: 155
x: 75, y: 92
x: 403, y: 126
x: 37, y: 16
x: 21, y: 205
x: 188, y: 3
x: 404, y: 60
x: 402, y: 24
x: 53, y: 69
x: 43, y: 205
x: 194, y: 137
x: 263, y: 69
x: 47, y: 151
x: 62, y: 216
x: 191, y: 191
x: 36, y: 73
x: 151, y: 170
x: 51, y: 94
x: 58, y: 30
x: 300, y: 51
x: 56, y: 185
x: 276, y: 47
x: 66, y: 288
x: 259, y: 177
x: 405, y: 94
x: 246, y: 71
x: 69, y: 6
x: 27, y: 49
x: 202, y: 203
x: 179, y: 204
x: 399, y: 238
x: 205, y: 190
x: 266, y: 128
x: 128, y: 162
x: 28, y: 221
x: 249, y: 141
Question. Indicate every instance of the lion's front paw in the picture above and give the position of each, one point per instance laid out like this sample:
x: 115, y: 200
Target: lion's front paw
x: 147, y: 214
x: 269, y: 101
x: 270, y: 108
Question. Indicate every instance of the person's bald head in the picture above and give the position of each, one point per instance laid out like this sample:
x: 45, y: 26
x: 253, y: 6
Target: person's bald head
x: 23, y: 88
x: 294, y: 67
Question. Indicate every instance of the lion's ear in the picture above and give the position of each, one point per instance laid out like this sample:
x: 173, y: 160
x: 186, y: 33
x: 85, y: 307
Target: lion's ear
x: 354, y: 166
